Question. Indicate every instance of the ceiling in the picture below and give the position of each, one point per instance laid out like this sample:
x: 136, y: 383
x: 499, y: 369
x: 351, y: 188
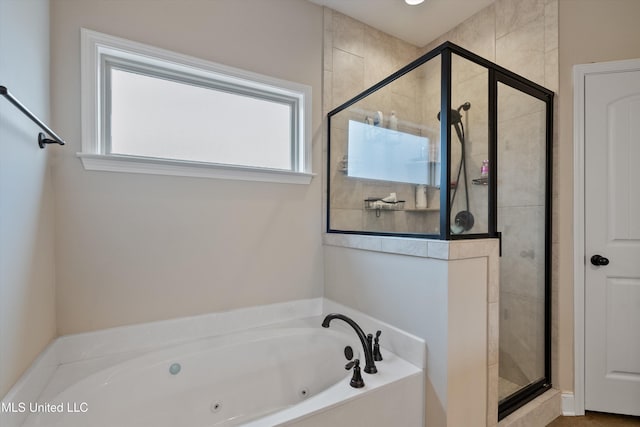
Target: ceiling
x: 417, y: 25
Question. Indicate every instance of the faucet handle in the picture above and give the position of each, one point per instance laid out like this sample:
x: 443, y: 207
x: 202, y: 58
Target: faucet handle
x: 356, y: 380
x: 377, y: 356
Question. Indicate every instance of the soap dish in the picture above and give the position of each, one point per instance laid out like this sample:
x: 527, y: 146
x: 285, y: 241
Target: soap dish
x: 373, y: 203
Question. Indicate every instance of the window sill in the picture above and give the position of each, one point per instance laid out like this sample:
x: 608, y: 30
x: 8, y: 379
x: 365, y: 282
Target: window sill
x: 154, y: 166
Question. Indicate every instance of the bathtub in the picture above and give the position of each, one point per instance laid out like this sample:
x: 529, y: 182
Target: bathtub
x: 262, y: 377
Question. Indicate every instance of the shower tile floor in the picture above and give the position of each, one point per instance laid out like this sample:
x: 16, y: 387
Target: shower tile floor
x: 597, y: 419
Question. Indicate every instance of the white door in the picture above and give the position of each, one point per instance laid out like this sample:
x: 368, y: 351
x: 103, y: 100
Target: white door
x: 612, y: 231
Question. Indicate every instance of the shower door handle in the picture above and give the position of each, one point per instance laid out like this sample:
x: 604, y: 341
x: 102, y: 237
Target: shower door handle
x: 599, y: 260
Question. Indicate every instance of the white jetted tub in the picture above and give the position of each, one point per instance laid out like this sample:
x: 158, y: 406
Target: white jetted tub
x: 260, y: 377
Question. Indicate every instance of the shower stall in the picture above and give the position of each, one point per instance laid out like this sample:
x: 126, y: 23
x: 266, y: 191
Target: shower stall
x: 453, y: 146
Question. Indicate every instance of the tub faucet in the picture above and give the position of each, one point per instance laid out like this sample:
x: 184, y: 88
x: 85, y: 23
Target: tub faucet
x: 370, y: 366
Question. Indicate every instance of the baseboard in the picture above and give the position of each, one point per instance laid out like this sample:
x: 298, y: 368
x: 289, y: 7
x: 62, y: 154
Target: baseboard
x: 568, y: 404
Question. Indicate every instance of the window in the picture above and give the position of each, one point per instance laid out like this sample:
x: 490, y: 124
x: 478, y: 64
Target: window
x: 147, y: 110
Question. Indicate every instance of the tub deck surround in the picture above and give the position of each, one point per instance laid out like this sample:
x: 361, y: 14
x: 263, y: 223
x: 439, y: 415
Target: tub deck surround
x: 31, y: 384
x: 228, y: 380
x: 387, y: 402
x: 73, y: 361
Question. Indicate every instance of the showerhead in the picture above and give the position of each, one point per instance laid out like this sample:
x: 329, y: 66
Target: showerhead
x: 456, y: 119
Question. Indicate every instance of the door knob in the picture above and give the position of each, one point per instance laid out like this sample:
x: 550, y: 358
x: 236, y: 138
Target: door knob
x: 598, y: 260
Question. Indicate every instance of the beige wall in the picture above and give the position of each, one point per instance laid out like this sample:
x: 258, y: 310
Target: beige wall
x: 135, y: 248
x: 27, y: 299
x: 590, y: 31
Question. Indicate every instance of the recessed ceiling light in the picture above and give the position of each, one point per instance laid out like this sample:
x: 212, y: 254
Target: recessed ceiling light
x: 413, y: 2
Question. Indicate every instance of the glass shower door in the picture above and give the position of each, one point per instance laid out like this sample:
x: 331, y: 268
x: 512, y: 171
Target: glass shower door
x: 522, y: 221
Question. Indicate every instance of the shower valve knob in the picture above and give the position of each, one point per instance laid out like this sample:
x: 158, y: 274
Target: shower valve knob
x: 599, y: 260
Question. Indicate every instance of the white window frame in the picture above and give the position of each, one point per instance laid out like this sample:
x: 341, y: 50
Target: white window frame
x: 97, y: 49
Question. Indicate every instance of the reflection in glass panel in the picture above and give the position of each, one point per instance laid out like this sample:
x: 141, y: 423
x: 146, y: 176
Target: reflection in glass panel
x: 386, y: 154
x: 469, y: 147
x: 521, y: 219
x: 385, y: 158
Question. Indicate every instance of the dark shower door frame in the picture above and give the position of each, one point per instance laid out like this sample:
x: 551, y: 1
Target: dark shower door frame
x: 531, y: 391
x: 501, y: 75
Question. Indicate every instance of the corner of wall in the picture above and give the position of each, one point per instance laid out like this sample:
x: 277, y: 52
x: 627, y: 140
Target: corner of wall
x: 27, y: 284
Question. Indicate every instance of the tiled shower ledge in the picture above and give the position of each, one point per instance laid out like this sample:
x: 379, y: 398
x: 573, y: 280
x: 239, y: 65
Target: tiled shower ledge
x: 425, y: 248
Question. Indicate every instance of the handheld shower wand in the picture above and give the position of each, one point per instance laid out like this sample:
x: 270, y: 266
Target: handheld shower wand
x: 464, y: 219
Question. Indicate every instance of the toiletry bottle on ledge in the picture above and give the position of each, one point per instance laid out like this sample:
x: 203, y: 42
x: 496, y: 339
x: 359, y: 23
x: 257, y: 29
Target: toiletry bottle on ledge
x: 378, y: 119
x: 393, y: 121
x: 484, y: 169
x: 421, y: 196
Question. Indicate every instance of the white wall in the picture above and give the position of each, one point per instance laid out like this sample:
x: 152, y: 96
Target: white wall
x: 443, y: 302
x: 590, y: 31
x: 136, y: 248
x: 409, y: 293
x: 27, y: 300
